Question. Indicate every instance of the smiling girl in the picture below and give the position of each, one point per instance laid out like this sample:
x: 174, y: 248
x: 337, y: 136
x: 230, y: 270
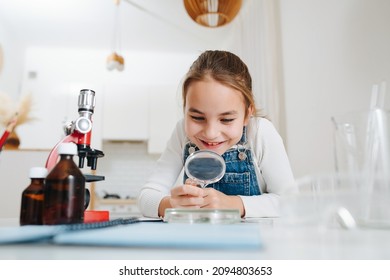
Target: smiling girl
x: 220, y: 115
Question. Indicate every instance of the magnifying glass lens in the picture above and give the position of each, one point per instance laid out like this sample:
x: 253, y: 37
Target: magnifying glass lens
x: 205, y: 167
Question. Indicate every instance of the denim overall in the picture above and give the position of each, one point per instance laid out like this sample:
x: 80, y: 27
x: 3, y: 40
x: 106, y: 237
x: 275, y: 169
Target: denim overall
x: 240, y: 176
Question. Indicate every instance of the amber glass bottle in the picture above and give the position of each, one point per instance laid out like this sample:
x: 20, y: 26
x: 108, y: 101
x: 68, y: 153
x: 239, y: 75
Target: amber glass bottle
x: 64, y: 190
x: 31, y: 212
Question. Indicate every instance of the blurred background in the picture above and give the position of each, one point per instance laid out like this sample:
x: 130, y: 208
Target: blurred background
x: 309, y: 59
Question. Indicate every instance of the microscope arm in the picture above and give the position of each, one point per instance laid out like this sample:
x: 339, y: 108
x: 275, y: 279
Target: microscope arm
x: 53, y: 156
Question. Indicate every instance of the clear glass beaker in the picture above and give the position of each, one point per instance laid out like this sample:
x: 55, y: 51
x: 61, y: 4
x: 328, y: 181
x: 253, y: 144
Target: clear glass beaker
x: 362, y: 154
x: 361, y: 142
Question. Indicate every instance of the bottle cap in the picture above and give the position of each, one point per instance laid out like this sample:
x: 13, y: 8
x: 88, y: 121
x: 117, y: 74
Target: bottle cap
x: 38, y: 172
x: 67, y: 149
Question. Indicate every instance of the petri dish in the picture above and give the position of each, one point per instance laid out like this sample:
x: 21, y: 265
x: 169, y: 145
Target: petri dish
x: 202, y: 216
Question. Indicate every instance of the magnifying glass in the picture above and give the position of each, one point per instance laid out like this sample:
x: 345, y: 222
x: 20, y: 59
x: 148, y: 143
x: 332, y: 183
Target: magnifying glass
x: 205, y: 167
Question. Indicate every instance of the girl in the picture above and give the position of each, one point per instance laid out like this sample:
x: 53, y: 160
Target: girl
x: 220, y: 115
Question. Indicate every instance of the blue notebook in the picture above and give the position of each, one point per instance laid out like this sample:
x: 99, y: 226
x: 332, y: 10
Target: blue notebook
x: 239, y: 236
x: 142, y: 234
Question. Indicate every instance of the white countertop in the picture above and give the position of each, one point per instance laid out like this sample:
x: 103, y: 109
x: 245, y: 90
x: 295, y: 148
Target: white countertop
x: 280, y: 243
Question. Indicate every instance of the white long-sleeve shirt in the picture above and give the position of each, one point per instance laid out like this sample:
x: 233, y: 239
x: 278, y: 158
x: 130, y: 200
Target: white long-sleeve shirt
x: 272, y: 166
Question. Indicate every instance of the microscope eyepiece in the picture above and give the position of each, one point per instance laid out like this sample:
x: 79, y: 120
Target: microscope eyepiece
x: 87, y: 100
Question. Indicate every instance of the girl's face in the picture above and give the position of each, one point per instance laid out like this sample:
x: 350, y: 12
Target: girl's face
x: 214, y: 115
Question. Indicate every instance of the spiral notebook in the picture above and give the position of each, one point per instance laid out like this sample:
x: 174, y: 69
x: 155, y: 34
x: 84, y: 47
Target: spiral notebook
x: 33, y: 233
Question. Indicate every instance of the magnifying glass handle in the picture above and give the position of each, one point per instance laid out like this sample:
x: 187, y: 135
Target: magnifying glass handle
x: 196, y: 183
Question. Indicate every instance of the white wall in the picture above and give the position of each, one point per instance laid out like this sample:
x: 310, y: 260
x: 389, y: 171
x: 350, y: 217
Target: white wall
x: 333, y: 52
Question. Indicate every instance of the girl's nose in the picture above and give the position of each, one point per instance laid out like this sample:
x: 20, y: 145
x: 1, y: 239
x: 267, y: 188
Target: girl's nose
x: 211, y: 131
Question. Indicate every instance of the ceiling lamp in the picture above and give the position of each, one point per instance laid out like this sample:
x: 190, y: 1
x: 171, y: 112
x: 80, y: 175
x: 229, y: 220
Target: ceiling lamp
x: 212, y: 13
x: 115, y: 60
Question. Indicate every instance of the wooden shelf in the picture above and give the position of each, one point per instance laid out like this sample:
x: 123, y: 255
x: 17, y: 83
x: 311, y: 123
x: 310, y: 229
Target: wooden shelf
x: 115, y: 201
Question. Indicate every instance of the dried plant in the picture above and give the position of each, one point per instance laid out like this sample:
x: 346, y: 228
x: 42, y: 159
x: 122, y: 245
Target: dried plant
x: 25, y: 105
x: 9, y: 108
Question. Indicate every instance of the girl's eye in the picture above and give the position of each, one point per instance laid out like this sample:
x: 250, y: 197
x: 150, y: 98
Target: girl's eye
x: 195, y: 118
x: 227, y: 120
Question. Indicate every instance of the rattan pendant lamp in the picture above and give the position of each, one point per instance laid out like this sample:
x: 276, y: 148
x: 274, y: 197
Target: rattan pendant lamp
x: 212, y: 13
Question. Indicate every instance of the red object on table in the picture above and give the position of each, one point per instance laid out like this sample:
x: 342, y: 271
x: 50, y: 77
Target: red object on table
x: 96, y: 216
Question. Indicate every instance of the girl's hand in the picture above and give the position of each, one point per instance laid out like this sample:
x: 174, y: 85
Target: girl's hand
x: 218, y: 200
x: 187, y: 196
x: 190, y: 195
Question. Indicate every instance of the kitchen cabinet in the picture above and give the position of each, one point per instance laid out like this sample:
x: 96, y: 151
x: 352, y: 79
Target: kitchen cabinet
x: 165, y: 111
x: 48, y: 110
x: 140, y: 113
x: 125, y: 112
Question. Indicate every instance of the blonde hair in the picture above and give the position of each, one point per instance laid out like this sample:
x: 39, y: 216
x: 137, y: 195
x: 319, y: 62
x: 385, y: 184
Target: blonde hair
x: 225, y: 68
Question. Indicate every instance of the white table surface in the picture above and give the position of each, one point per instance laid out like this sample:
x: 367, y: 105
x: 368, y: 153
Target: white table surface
x: 280, y: 243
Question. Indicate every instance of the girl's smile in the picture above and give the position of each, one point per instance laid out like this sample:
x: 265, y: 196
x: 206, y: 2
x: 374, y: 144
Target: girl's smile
x: 211, y: 145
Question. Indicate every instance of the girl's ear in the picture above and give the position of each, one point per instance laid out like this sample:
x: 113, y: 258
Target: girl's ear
x: 249, y: 114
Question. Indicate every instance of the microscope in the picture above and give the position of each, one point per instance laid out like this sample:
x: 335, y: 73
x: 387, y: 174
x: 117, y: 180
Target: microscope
x: 80, y: 132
